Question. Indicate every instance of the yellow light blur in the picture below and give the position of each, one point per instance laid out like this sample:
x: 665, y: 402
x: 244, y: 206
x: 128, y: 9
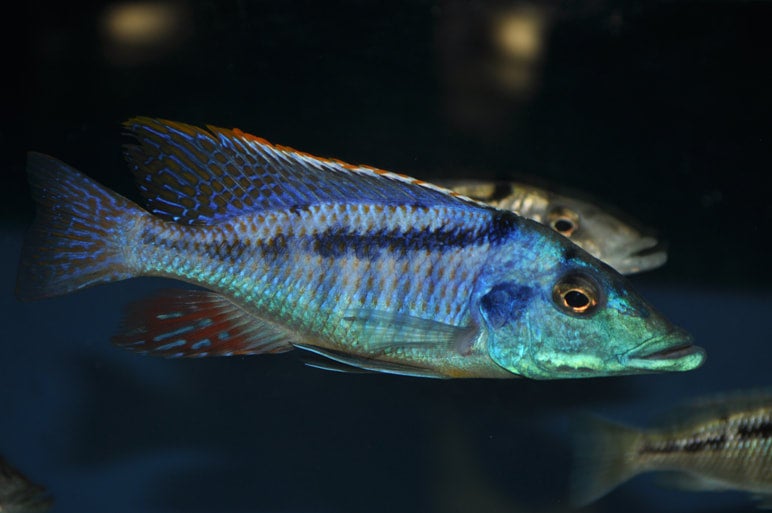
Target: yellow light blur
x: 144, y: 23
x: 139, y: 32
x: 519, y: 33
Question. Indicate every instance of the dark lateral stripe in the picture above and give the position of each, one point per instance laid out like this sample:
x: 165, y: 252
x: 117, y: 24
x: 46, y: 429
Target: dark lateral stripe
x: 220, y: 249
x: 754, y: 429
x: 712, y: 442
x: 335, y: 242
x: 338, y: 241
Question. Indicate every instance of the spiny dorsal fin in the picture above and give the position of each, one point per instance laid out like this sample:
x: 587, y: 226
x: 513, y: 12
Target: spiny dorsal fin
x: 203, y: 176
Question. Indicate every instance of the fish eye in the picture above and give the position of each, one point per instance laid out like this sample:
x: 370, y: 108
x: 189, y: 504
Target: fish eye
x: 564, y: 221
x: 576, y: 294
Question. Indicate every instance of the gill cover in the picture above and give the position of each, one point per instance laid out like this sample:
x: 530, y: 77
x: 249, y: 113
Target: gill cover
x: 503, y: 309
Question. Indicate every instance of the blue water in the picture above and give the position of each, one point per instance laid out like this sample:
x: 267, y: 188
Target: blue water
x: 660, y: 109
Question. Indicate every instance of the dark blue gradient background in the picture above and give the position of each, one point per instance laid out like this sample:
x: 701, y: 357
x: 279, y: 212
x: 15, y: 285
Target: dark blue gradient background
x: 661, y: 109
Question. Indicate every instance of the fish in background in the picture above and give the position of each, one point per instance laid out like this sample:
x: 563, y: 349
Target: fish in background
x: 367, y: 268
x: 20, y: 495
x: 722, y: 443
x: 603, y: 235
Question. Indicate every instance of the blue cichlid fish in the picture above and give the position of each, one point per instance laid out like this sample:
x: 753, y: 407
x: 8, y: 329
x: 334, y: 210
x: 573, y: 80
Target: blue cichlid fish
x: 370, y: 269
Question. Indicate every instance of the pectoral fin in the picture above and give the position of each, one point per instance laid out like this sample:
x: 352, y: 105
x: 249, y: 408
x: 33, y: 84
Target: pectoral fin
x: 384, y: 331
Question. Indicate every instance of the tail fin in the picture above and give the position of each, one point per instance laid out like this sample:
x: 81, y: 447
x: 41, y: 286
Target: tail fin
x: 603, y: 458
x: 76, y: 239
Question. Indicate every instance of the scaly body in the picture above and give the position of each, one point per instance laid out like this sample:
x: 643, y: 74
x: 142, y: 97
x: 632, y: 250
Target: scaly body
x: 314, y: 287
x: 730, y: 452
x: 599, y: 232
x: 719, y: 444
x: 367, y: 268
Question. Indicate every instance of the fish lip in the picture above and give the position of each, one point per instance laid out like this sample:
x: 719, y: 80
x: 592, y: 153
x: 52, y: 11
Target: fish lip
x: 644, y: 244
x: 634, y: 245
x: 642, y: 254
x: 636, y: 264
x: 674, y: 351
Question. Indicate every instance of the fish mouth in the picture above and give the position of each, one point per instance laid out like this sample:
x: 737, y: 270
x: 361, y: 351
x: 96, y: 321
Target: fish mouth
x: 646, y: 246
x: 643, y: 254
x: 671, y: 352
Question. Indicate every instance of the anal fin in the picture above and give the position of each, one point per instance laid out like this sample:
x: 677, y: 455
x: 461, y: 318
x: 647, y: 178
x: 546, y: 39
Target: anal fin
x: 197, y: 323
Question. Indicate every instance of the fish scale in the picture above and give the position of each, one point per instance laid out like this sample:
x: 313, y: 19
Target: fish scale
x: 171, y: 250
x: 719, y: 443
x: 371, y: 269
x: 601, y: 232
x: 719, y: 447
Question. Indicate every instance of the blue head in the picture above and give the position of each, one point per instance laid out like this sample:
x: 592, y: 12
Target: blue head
x: 548, y: 310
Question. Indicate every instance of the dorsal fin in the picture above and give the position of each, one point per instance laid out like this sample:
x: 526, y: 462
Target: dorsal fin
x: 203, y: 176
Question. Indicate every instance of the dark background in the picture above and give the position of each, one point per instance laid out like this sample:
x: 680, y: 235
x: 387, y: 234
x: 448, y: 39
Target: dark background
x: 660, y: 109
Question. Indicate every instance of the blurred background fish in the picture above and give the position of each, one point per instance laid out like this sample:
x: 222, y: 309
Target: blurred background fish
x: 598, y: 231
x: 721, y: 443
x: 20, y: 495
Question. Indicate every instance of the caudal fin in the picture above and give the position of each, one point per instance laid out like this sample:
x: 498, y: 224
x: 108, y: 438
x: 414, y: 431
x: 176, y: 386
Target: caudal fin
x: 603, y: 458
x: 77, y: 237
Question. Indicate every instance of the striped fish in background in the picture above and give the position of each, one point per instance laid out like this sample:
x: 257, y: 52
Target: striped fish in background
x: 599, y: 231
x: 712, y: 444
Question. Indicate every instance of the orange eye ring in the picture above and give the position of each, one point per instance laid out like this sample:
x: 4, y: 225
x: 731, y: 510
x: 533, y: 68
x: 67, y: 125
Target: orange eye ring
x: 564, y: 221
x: 576, y: 294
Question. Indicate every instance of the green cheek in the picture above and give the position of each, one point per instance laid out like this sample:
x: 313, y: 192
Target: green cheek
x: 508, y: 356
x: 566, y: 366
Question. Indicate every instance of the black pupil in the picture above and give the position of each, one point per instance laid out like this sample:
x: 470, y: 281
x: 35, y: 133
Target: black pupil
x: 563, y: 225
x: 576, y: 299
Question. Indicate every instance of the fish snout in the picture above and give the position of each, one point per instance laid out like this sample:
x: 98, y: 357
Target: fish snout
x: 674, y: 351
x: 638, y: 255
